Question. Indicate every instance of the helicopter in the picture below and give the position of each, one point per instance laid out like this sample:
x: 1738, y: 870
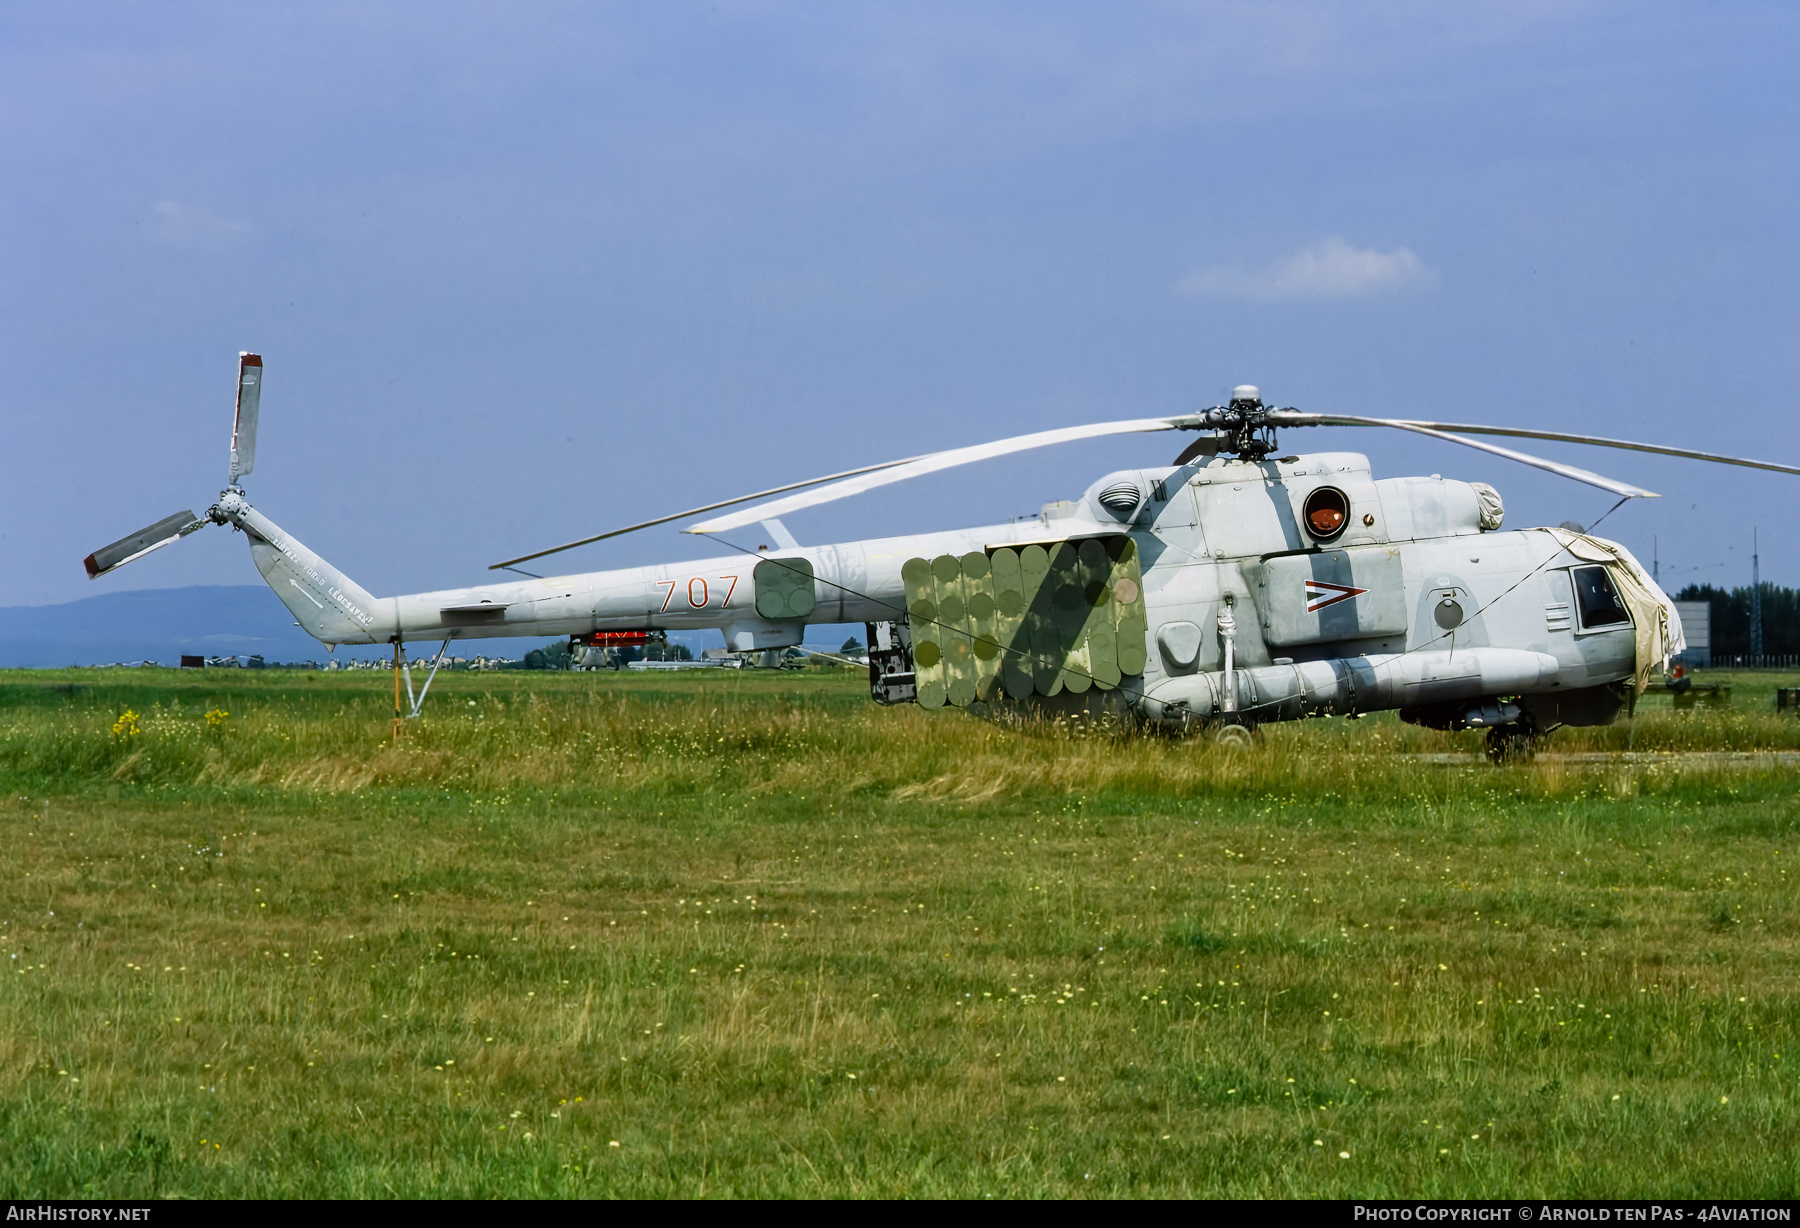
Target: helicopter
x: 1230, y: 588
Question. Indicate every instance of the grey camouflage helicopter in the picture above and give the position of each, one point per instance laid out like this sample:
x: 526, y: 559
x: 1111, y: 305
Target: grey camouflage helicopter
x: 1231, y: 588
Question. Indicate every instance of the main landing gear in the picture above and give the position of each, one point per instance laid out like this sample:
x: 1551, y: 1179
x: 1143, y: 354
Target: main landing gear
x: 1515, y: 742
x: 1231, y: 737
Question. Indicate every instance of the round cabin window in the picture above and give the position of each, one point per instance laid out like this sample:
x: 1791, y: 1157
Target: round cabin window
x: 1326, y: 513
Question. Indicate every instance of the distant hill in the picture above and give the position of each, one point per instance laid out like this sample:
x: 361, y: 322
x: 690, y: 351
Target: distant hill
x: 156, y: 625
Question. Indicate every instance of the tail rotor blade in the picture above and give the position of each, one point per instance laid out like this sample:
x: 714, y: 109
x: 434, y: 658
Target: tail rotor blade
x: 243, y: 426
x: 158, y: 535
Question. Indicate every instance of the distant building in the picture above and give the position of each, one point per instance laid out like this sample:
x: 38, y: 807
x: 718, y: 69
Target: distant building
x: 1696, y: 628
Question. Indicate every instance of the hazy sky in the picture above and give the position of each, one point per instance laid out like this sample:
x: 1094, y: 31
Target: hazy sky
x: 525, y: 272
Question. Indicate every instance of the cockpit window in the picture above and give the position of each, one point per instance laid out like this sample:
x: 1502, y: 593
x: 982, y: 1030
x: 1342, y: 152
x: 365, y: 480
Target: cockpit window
x: 1598, y: 599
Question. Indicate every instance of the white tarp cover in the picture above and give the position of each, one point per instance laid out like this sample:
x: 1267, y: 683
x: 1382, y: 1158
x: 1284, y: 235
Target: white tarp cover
x: 1493, y: 511
x: 1658, y: 625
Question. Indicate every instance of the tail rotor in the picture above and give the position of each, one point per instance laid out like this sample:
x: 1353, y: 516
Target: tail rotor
x: 173, y: 528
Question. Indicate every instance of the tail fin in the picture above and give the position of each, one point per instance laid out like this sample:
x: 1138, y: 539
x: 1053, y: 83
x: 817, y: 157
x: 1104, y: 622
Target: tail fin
x: 328, y: 605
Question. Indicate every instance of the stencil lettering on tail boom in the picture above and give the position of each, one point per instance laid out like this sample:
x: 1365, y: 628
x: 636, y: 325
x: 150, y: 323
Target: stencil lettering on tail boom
x: 330, y: 590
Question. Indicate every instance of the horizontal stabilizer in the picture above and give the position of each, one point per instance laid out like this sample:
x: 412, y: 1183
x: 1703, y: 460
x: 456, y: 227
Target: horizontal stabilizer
x: 141, y: 543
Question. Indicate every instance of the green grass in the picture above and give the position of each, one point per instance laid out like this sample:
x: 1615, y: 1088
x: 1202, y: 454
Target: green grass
x: 750, y: 935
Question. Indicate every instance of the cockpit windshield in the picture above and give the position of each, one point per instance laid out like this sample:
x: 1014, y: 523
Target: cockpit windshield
x: 1598, y: 599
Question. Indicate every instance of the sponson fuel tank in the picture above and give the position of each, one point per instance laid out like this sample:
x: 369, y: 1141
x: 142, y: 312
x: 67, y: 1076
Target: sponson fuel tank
x: 1351, y: 684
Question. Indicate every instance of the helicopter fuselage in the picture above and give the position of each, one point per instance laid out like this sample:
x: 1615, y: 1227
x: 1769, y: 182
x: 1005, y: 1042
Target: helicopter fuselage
x: 1329, y: 591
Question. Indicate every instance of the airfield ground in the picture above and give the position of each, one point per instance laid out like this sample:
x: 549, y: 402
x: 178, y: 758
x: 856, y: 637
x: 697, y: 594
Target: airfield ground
x: 749, y: 935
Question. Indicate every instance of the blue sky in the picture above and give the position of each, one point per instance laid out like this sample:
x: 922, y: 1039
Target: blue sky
x: 523, y: 273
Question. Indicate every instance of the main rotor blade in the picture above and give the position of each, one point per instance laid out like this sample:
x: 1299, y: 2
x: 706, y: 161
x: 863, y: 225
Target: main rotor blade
x: 695, y: 511
x: 1598, y: 441
x: 917, y: 467
x: 1435, y: 430
x: 158, y: 535
x: 243, y: 425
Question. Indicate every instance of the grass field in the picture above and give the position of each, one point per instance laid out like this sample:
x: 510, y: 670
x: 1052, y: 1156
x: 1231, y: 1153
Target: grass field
x: 750, y: 935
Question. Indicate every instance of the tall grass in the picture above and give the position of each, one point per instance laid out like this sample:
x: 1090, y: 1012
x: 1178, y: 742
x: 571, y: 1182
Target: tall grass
x: 576, y: 936
x: 750, y: 734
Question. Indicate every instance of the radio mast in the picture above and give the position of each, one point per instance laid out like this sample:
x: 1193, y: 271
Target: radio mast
x: 1756, y: 641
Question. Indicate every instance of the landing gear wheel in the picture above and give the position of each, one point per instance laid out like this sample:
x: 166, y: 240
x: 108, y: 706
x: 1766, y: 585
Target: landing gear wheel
x: 1232, y: 737
x: 1515, y: 743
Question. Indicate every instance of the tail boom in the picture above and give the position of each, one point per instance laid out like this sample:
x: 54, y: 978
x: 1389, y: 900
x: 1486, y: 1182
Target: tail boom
x: 327, y: 604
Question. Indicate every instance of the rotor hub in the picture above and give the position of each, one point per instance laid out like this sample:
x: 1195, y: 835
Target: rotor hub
x: 1242, y: 425
x: 230, y: 505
